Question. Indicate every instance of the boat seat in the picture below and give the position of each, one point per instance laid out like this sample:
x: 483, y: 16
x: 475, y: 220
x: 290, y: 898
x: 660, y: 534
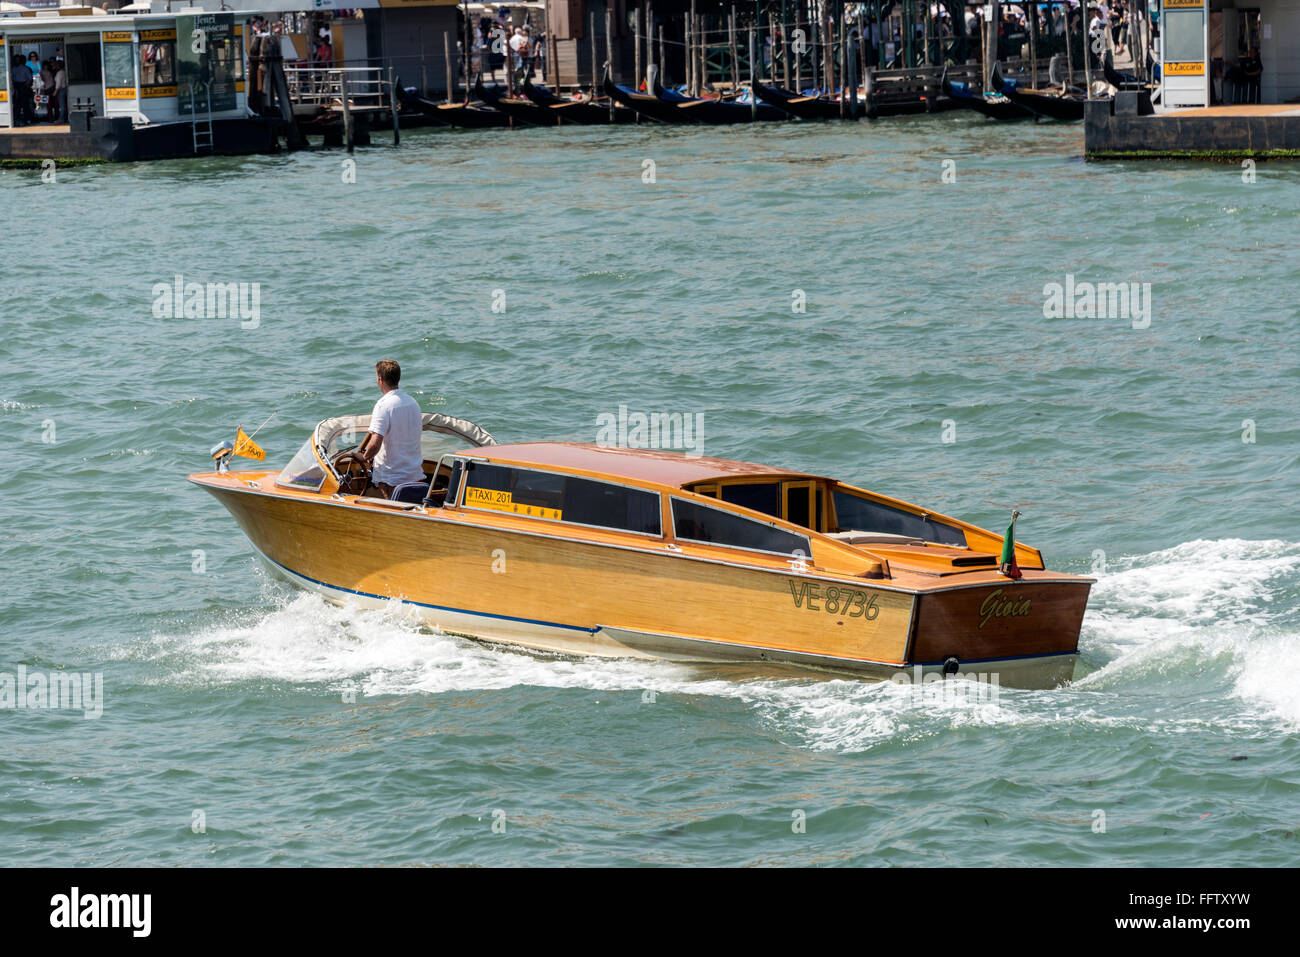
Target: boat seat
x: 853, y: 537
x: 414, y: 492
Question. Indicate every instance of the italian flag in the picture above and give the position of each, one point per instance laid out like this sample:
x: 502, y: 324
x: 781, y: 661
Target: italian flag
x: 1008, y: 564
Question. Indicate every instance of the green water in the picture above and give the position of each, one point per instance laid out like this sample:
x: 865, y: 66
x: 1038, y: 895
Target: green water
x: 246, y: 723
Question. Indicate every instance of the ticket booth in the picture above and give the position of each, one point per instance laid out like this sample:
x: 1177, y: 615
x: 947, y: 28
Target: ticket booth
x: 1184, y: 54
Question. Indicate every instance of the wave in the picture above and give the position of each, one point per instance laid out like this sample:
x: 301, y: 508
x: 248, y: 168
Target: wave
x: 1219, y: 612
x: 1203, y: 621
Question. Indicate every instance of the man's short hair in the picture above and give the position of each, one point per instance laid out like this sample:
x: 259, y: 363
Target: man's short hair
x: 389, y: 371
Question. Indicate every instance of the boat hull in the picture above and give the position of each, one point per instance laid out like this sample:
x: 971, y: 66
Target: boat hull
x: 500, y: 584
x: 1047, y: 105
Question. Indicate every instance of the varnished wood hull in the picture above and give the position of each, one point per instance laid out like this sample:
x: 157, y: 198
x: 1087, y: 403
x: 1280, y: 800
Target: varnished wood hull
x: 487, y: 578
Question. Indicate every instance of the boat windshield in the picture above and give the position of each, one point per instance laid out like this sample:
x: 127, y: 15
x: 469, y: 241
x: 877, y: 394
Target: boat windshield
x: 858, y: 513
x: 303, y: 471
x: 440, y: 434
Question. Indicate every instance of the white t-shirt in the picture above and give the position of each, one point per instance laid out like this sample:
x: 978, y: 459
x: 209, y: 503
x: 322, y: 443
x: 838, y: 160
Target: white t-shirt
x: 397, y: 419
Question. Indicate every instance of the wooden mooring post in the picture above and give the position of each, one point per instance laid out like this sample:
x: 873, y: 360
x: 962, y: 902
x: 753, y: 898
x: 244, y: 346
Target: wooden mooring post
x: 733, y: 50
x: 446, y: 55
x: 636, y: 45
x: 347, y: 113
x: 392, y: 107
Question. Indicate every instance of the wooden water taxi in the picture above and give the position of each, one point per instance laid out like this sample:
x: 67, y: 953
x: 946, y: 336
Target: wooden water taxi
x: 584, y: 549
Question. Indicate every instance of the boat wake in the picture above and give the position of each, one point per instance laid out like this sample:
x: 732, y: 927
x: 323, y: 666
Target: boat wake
x: 1205, y: 633
x: 1204, y: 615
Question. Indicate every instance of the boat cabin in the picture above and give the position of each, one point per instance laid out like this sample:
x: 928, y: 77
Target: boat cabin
x: 684, y: 500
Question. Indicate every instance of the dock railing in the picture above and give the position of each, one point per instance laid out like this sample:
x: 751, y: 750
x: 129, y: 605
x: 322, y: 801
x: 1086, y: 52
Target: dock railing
x: 367, y: 86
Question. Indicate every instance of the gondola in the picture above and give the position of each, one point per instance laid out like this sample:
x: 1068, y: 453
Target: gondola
x: 1053, y: 106
x: 801, y: 106
x: 993, y: 105
x: 721, y: 111
x: 710, y: 112
x: 470, y: 115
x: 588, y: 112
x: 661, y: 107
x: 517, y: 108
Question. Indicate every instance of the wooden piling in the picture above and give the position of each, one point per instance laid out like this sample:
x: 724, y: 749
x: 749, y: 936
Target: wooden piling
x: 446, y: 55
x: 990, y: 44
x: 465, y: 60
x: 1032, y: 9
x: 798, y: 57
x: 591, y: 40
x: 663, y: 60
x: 733, y: 50
x: 844, y: 61
x: 650, y: 44
x: 609, y: 53
x: 1087, y: 60
x: 855, y: 40
x: 753, y: 99
x: 392, y: 107
x: 347, y: 113
x: 636, y: 47
x: 1069, y: 53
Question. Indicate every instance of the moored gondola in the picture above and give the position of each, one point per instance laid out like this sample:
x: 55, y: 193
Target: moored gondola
x: 711, y: 112
x: 802, y: 106
x: 585, y: 112
x: 517, y: 108
x: 993, y: 105
x: 1053, y: 106
x: 661, y: 107
x: 469, y: 115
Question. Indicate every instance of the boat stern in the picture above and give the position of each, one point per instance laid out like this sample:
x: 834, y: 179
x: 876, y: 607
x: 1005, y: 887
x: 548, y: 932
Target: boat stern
x: 1024, y: 630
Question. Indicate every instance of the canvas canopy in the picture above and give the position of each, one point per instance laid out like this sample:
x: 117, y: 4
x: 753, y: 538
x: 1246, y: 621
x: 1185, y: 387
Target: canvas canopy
x: 440, y: 433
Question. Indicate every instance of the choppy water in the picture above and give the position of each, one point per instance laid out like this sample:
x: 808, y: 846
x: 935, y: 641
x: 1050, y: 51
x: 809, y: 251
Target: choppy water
x: 309, y: 734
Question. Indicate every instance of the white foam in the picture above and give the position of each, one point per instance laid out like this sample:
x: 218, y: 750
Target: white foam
x: 1213, y: 611
x: 1202, y: 612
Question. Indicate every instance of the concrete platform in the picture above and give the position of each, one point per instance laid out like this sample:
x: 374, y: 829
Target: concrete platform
x: 1126, y: 129
x: 116, y: 140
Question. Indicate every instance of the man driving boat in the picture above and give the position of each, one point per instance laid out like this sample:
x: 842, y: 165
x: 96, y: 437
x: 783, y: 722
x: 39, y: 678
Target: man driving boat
x: 392, y: 449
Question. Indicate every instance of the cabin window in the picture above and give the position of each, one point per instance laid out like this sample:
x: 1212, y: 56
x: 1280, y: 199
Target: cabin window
x: 762, y: 497
x: 303, y: 471
x: 696, y: 522
x: 804, y: 504
x: 562, y: 498
x: 855, y: 513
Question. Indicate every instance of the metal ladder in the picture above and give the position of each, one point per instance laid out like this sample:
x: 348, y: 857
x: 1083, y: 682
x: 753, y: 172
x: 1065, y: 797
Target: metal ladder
x: 201, y: 128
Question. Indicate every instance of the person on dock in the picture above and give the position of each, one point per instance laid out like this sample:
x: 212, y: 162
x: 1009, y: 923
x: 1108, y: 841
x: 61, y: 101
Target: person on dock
x: 518, y: 54
x: 1252, y: 68
x: 47, y: 91
x: 61, y: 89
x: 20, y: 82
x: 392, y: 449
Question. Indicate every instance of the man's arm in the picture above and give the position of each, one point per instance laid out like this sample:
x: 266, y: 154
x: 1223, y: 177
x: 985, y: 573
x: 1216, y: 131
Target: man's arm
x: 370, y: 446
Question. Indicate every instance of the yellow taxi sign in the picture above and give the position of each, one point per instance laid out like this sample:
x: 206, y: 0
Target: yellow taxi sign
x: 504, y: 502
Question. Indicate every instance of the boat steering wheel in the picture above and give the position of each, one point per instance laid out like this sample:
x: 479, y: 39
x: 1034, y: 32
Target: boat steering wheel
x: 353, y: 471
